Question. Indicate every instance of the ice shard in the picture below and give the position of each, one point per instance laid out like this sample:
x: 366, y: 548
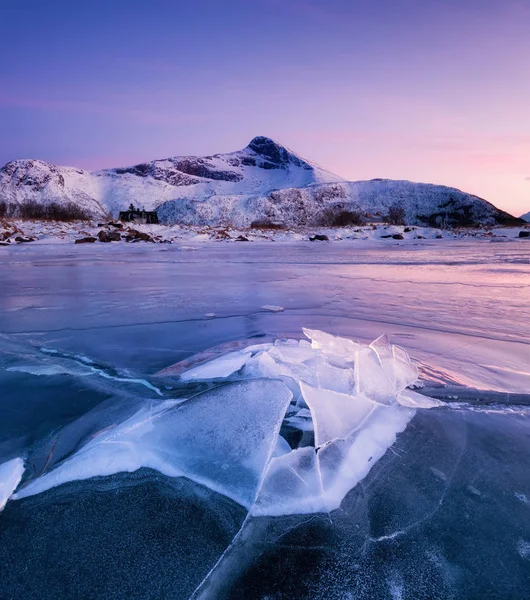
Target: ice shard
x: 345, y: 462
x: 292, y: 485
x: 10, y: 475
x: 335, y: 415
x: 339, y: 350
x: 221, y: 367
x: 396, y: 363
x: 412, y: 399
x: 371, y: 379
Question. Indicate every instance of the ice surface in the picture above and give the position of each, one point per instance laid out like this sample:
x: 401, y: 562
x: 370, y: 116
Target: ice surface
x: 76, y: 369
x: 335, y: 415
x: 55, y: 369
x: 10, y: 475
x: 357, y: 294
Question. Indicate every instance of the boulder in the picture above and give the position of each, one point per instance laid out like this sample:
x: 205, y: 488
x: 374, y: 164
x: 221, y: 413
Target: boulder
x: 241, y: 238
x: 134, y: 235
x: 319, y: 238
x: 19, y: 239
x: 85, y: 240
x: 397, y: 236
x: 109, y: 236
x: 524, y: 234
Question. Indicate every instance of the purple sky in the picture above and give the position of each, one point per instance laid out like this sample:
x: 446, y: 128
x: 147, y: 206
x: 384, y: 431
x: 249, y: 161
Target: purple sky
x: 427, y: 90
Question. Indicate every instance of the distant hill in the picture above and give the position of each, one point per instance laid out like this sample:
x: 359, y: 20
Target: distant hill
x: 263, y: 182
x: 526, y: 217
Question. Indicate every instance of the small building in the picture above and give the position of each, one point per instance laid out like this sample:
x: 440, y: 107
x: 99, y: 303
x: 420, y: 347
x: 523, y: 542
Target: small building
x: 135, y: 215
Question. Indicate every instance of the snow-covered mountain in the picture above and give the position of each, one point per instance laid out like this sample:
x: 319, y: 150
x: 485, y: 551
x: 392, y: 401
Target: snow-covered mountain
x: 525, y: 217
x: 264, y: 181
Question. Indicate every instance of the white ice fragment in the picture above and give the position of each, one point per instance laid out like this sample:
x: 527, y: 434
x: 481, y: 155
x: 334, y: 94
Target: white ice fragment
x: 218, y: 368
x: 396, y: 363
x: 304, y: 412
x: 345, y: 462
x: 338, y: 349
x: 269, y: 367
x: 272, y: 308
x: 333, y: 378
x: 406, y: 373
x: 222, y: 439
x: 258, y: 348
x: 292, y: 485
x: 371, y: 379
x: 10, y: 475
x: 291, y: 354
x: 414, y: 400
x: 335, y: 415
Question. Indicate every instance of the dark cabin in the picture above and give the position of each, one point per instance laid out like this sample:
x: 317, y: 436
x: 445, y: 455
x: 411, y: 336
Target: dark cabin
x: 135, y: 215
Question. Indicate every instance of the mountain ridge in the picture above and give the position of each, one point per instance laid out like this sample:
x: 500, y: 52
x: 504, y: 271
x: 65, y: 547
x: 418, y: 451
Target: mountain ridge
x: 263, y: 181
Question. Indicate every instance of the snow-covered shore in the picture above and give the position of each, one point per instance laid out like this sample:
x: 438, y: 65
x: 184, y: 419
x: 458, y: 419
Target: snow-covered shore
x: 16, y: 231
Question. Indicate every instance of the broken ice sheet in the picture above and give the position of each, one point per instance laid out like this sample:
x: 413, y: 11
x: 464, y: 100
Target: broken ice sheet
x: 228, y: 438
x: 222, y: 438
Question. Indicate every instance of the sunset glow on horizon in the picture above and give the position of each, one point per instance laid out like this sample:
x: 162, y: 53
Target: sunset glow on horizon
x: 435, y: 91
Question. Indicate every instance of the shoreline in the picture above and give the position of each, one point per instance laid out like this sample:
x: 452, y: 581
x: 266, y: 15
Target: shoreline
x: 14, y: 232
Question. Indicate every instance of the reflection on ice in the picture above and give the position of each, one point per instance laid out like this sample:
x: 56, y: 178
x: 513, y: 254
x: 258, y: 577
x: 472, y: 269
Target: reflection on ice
x: 349, y: 400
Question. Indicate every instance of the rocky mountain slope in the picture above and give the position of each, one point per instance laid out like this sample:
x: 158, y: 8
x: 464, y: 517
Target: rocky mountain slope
x: 526, y: 217
x: 262, y: 182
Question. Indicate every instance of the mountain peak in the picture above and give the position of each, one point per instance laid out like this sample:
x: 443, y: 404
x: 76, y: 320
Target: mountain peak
x: 275, y: 153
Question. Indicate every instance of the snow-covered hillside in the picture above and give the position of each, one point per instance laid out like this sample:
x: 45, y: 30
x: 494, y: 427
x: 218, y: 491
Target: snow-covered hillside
x: 526, y: 217
x: 264, y: 181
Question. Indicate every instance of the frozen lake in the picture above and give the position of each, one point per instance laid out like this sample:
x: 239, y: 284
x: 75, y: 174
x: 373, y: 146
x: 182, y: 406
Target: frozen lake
x: 445, y: 513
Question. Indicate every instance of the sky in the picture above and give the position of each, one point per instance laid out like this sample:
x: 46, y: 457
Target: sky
x: 435, y: 91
